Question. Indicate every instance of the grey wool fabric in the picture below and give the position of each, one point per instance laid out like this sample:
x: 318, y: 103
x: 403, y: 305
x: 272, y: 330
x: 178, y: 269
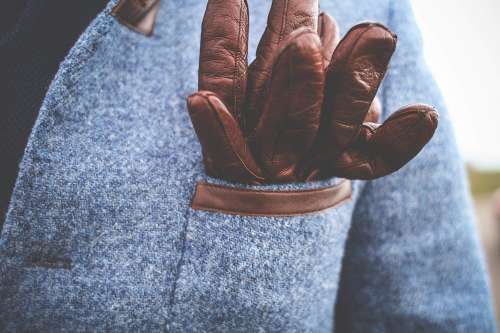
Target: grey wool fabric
x: 100, y: 236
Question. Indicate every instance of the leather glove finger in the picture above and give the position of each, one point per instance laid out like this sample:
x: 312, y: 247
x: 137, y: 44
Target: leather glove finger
x: 374, y: 112
x: 383, y: 149
x: 291, y: 114
x: 224, y: 52
x: 329, y: 33
x: 225, y: 152
x: 284, y: 17
x: 357, y: 68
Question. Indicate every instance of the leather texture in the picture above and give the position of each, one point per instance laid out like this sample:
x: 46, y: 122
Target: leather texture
x: 231, y: 200
x: 138, y: 15
x: 306, y: 108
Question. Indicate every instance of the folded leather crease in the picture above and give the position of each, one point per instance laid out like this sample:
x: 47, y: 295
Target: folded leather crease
x: 249, y: 202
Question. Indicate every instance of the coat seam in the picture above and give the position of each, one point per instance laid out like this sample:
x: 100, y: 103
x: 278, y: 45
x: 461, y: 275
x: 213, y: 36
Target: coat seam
x: 178, y: 268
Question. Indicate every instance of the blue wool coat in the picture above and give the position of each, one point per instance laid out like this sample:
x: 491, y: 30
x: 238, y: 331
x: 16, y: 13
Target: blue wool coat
x: 100, y: 235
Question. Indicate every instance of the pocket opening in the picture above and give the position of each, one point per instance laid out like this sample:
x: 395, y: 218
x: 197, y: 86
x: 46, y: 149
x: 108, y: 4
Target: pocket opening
x: 261, y: 202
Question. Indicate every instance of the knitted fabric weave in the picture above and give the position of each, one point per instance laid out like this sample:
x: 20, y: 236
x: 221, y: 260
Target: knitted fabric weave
x: 34, y: 38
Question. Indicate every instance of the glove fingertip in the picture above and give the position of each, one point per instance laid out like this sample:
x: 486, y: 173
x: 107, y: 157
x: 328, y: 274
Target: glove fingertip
x: 416, y: 117
x: 404, y: 134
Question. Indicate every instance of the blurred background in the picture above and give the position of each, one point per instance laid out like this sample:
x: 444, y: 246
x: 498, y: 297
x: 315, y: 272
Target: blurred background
x: 462, y: 47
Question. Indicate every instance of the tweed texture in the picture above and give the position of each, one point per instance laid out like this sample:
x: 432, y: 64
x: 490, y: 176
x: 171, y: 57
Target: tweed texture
x: 100, y: 236
x: 28, y: 63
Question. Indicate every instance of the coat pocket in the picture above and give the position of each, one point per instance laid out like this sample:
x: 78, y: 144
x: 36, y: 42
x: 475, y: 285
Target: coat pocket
x: 241, y: 270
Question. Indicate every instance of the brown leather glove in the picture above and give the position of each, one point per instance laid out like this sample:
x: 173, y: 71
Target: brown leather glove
x: 293, y: 115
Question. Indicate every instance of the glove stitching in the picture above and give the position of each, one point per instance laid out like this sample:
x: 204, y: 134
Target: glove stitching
x: 236, y: 73
x: 283, y: 22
